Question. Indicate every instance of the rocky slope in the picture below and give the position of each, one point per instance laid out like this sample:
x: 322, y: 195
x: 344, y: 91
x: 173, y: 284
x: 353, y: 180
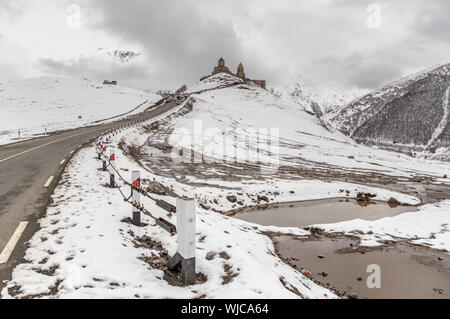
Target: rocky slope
x: 411, y: 114
x: 315, y: 99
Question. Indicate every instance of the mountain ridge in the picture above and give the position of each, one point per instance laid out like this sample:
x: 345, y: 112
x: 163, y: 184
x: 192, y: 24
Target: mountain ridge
x: 408, y: 114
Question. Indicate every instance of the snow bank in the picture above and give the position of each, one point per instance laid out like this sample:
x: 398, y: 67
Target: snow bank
x: 429, y: 226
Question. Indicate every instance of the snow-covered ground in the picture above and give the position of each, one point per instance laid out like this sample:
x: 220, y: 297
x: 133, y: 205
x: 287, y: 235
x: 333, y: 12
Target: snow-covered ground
x: 303, y: 142
x: 85, y: 250
x: 231, y: 115
x: 47, y: 104
x: 214, y: 81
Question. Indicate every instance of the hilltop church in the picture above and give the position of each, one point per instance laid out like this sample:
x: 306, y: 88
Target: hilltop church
x: 221, y: 68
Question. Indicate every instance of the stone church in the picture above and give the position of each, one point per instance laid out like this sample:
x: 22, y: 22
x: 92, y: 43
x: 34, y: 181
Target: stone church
x: 221, y: 68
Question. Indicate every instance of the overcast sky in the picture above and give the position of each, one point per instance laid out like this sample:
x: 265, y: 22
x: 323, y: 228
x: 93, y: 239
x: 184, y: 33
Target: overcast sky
x: 343, y: 44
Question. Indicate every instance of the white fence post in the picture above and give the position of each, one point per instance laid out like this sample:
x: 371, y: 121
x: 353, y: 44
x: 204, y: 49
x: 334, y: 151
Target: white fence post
x: 112, y: 158
x: 186, y: 240
x: 103, y: 151
x: 98, y: 145
x: 136, y: 182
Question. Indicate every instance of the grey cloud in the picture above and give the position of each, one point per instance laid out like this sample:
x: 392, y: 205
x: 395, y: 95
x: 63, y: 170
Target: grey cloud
x: 11, y: 9
x: 366, y: 72
x: 90, y: 68
x: 183, y: 39
x: 327, y: 40
x: 434, y: 21
x: 179, y: 40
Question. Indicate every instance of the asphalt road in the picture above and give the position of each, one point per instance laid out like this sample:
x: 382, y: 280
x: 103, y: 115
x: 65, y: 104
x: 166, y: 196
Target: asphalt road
x: 26, y: 183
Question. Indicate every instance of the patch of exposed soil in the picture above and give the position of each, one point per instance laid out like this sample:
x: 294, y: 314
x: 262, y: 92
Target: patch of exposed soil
x: 15, y: 291
x: 161, y: 260
x: 153, y: 155
x: 229, y: 274
x: 47, y: 271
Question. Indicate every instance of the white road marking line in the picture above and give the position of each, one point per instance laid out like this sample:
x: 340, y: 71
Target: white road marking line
x: 6, y: 253
x: 49, y: 180
x: 40, y: 146
x: 62, y: 162
x: 71, y: 151
x: 53, y: 142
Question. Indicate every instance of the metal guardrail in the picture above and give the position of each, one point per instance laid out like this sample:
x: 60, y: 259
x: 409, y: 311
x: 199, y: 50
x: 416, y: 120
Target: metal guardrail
x: 185, y: 209
x: 161, y: 203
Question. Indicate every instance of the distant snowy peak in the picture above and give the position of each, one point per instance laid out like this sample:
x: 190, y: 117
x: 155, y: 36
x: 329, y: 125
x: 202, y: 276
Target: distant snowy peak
x: 124, y: 56
x: 314, y: 99
x: 411, y: 113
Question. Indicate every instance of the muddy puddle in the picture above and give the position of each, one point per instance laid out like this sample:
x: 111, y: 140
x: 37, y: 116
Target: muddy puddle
x: 405, y: 271
x: 303, y: 214
x: 338, y: 263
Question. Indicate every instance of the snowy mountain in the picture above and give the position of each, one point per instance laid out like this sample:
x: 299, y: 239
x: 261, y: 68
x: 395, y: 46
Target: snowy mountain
x: 411, y: 114
x: 46, y: 104
x: 124, y: 56
x: 314, y: 99
x: 226, y: 102
x: 213, y: 82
